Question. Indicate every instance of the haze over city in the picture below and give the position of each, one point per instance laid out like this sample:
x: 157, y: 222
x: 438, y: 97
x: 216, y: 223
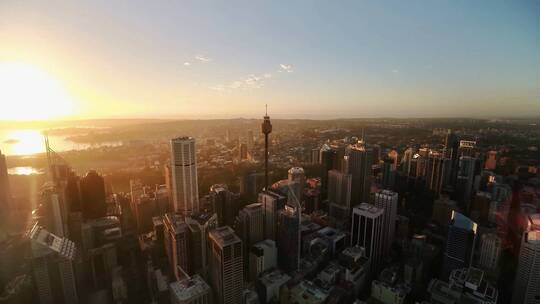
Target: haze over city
x: 316, y: 59
x: 269, y: 152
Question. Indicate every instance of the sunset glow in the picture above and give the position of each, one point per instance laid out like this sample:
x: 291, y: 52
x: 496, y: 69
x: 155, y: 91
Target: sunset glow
x: 28, y: 92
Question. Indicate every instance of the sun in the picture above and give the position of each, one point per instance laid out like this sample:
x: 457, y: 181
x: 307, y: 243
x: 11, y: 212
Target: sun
x: 29, y: 93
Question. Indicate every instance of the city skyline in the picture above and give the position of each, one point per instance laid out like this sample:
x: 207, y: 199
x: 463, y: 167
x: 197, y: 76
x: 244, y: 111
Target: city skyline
x: 217, y: 60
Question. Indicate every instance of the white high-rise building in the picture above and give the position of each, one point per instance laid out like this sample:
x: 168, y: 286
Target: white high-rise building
x: 527, y: 281
x: 226, y: 265
x: 387, y: 200
x: 367, y: 231
x: 184, y: 175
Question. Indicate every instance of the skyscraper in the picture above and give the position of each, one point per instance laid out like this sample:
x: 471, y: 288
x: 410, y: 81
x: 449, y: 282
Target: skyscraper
x: 93, y: 196
x: 184, y: 175
x: 326, y: 159
x: 387, y: 200
x: 176, y: 238
x: 288, y: 238
x: 226, y: 265
x: 367, y: 231
x: 221, y: 201
x: 435, y: 171
x: 490, y: 251
x: 251, y: 224
x: 465, y: 179
x: 388, y: 173
x: 199, y: 226
x: 359, y: 159
x: 266, y: 128
x: 272, y: 202
x: 5, y: 193
x: 250, y: 228
x: 527, y: 281
x: 298, y: 176
x: 339, y: 188
x: 339, y: 198
x: 460, y: 243
x: 406, y: 161
x: 249, y: 140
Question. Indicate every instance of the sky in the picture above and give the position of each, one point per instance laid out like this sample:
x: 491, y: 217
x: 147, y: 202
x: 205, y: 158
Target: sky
x: 305, y: 59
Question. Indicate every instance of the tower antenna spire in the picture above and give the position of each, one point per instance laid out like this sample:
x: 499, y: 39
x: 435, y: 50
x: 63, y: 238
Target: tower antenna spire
x: 266, y: 129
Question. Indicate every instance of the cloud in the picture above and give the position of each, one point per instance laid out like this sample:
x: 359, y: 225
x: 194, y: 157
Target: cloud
x: 187, y: 63
x: 285, y: 68
x: 395, y: 71
x: 202, y: 58
x: 249, y: 82
x: 253, y: 81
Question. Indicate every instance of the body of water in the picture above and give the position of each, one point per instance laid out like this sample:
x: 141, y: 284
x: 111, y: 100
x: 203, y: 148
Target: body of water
x: 31, y: 141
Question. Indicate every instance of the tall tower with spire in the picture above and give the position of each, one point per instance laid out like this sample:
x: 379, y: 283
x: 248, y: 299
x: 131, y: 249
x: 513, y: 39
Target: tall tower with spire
x: 266, y: 128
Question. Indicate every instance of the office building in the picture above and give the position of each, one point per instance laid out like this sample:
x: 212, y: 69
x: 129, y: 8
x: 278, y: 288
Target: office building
x: 184, y: 175
x: 359, y: 160
x: 436, y: 171
x: 387, y: 200
x: 490, y: 252
x: 491, y: 160
x: 527, y: 280
x: 271, y: 285
x: 297, y: 180
x: 306, y: 292
x: 192, y: 290
x: 356, y: 265
x: 250, y: 140
x: 250, y: 228
x: 272, y: 202
x: 388, y: 178
x: 262, y: 257
x: 93, y: 196
x: 221, y: 201
x: 5, y: 192
x: 52, y: 268
x: 460, y: 243
x: 198, y: 227
x: 388, y: 288
x: 466, y: 179
x: 326, y: 159
x: 176, y: 237
x: 465, y: 285
x: 226, y: 265
x: 339, y: 188
x: 54, y: 277
x: 406, y: 161
x: 242, y: 151
x: 288, y: 238
x: 367, y: 232
x: 442, y: 210
x: 251, y: 184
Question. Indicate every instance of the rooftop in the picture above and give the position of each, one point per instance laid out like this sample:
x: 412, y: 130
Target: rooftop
x: 369, y: 209
x: 274, y: 277
x: 189, y: 288
x: 224, y: 236
x: 461, y: 221
x: 183, y: 138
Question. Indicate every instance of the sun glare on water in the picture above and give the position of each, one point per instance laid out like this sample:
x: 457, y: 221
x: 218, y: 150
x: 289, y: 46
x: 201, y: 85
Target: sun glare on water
x: 26, y: 142
x: 28, y: 93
